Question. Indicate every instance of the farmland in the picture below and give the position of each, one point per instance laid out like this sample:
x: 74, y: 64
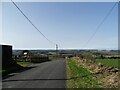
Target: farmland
x: 108, y: 62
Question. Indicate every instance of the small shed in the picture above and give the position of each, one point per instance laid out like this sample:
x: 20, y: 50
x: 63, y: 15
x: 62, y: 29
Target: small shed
x: 6, y: 51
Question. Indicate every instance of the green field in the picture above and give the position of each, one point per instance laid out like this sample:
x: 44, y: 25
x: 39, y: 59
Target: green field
x: 108, y: 62
x: 79, y: 77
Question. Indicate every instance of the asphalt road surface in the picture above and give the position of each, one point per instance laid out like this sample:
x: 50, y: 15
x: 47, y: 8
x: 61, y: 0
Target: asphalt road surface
x: 50, y: 74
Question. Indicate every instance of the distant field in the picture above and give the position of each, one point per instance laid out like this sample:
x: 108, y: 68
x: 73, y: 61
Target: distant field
x: 109, y: 62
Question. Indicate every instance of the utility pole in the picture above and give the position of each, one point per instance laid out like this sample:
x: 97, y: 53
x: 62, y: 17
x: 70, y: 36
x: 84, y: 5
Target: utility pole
x: 56, y: 50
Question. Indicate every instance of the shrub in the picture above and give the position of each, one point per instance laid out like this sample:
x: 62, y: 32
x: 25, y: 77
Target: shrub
x: 39, y: 59
x: 89, y: 57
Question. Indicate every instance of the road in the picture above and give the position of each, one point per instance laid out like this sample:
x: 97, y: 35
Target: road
x: 50, y: 74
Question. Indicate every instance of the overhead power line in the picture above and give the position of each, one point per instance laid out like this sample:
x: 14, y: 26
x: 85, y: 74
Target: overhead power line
x: 32, y: 23
x: 98, y: 27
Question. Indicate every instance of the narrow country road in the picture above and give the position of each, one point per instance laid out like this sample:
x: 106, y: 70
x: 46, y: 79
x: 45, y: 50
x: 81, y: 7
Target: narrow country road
x: 50, y: 74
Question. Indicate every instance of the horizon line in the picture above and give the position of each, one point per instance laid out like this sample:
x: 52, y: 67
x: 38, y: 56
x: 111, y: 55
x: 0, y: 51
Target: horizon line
x: 69, y: 49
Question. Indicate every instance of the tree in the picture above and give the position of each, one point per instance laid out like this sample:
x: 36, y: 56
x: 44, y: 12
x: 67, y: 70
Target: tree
x: 89, y: 57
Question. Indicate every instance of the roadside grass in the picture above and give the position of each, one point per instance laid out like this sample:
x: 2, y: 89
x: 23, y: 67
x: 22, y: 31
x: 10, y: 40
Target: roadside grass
x: 16, y: 67
x: 78, y: 76
x: 21, y: 63
x: 0, y: 70
x: 24, y: 64
x: 108, y: 62
x: 7, y: 70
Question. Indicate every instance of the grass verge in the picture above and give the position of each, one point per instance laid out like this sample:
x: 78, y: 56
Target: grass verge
x: 24, y: 64
x: 78, y: 76
x: 15, y: 67
x: 7, y: 70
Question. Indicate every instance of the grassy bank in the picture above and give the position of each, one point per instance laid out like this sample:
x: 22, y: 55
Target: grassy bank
x: 7, y: 70
x: 79, y: 77
x: 15, y: 67
x: 108, y: 62
x: 24, y: 64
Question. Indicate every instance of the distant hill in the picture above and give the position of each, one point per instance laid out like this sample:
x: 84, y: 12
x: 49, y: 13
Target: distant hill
x: 104, y: 52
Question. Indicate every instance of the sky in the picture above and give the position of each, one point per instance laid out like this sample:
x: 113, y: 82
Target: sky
x: 68, y: 24
x: 61, y: 0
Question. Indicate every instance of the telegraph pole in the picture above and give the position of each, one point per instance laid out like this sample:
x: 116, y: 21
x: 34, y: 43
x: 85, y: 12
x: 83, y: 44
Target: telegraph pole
x: 56, y: 50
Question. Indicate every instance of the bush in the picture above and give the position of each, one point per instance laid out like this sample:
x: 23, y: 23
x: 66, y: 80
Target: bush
x: 89, y: 57
x: 39, y: 59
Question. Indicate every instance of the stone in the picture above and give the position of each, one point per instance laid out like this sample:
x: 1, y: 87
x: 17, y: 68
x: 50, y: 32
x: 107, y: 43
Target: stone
x: 114, y: 70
